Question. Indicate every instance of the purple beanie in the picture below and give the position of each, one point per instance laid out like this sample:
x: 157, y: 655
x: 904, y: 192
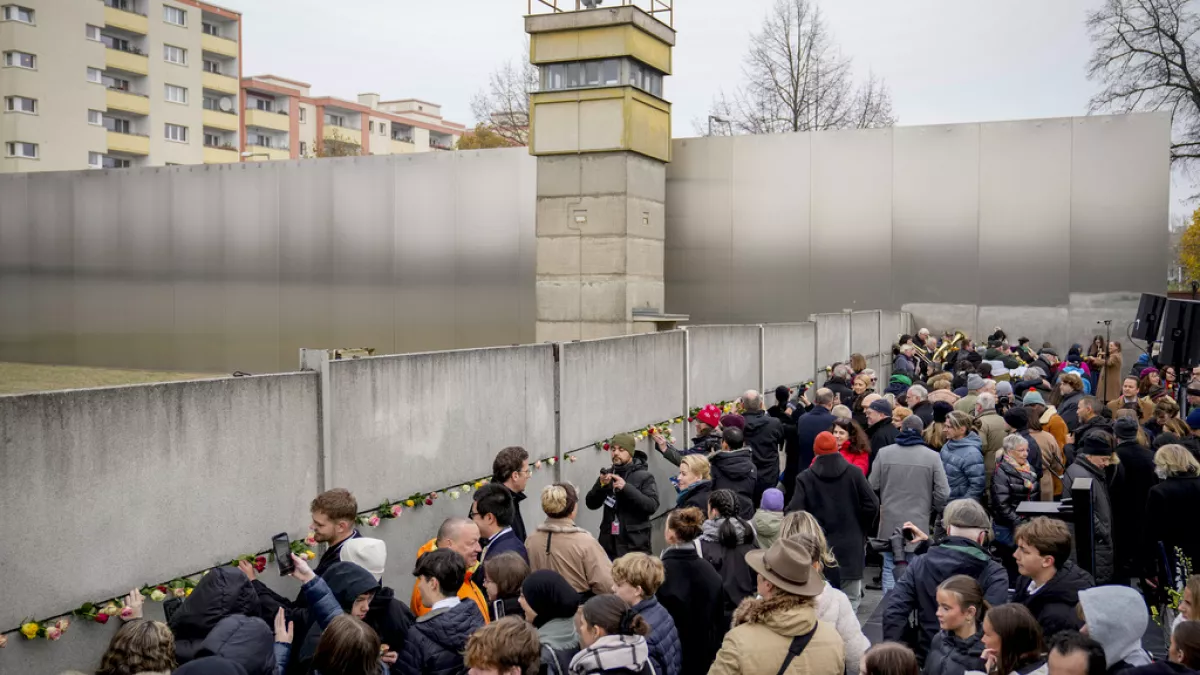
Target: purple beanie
x: 772, y: 500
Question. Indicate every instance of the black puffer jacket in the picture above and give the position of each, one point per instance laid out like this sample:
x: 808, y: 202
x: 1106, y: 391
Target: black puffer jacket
x: 1010, y: 487
x: 635, y: 505
x: 1102, y: 519
x: 952, y: 655
x: 763, y: 435
x: 437, y: 640
x: 734, y: 470
x: 1054, y: 604
x: 244, y: 640
x: 223, y: 592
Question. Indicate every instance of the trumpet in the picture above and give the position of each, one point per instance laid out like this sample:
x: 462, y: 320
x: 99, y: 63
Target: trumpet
x: 952, y: 345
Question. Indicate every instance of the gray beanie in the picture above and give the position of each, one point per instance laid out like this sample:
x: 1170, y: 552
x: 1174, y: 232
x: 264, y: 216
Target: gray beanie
x: 974, y: 382
x: 912, y: 423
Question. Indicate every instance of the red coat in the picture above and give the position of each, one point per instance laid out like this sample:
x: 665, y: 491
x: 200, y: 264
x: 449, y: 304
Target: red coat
x: 860, y: 459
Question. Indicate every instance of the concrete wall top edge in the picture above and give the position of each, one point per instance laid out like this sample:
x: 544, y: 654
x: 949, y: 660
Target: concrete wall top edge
x: 149, y: 385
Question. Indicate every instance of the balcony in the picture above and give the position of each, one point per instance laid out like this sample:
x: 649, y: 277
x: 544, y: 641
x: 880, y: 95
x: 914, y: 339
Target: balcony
x: 265, y: 154
x: 403, y: 147
x: 127, y: 102
x: 344, y: 134
x: 221, y: 83
x: 265, y: 119
x: 128, y: 21
x: 221, y: 120
x: 129, y: 62
x: 219, y: 45
x: 130, y: 144
x: 220, y: 155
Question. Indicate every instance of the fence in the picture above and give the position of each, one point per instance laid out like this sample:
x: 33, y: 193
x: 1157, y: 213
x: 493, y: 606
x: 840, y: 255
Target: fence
x: 150, y: 483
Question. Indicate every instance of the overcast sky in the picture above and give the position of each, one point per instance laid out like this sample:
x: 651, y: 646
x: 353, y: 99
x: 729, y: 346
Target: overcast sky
x: 946, y: 61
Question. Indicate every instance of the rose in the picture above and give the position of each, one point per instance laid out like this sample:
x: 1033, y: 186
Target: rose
x: 53, y: 633
x: 429, y: 501
x: 260, y: 563
x: 111, y: 609
x: 465, y: 488
x: 373, y: 521
x: 127, y: 613
x: 62, y: 624
x: 162, y: 588
x: 310, y: 555
x: 396, y: 510
x: 30, y: 630
x: 182, y: 592
x: 409, y: 503
x: 454, y: 494
x: 3, y: 642
x: 103, y: 618
x: 188, y: 592
x: 157, y: 595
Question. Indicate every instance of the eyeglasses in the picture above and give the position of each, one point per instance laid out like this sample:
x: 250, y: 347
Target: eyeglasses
x: 473, y: 514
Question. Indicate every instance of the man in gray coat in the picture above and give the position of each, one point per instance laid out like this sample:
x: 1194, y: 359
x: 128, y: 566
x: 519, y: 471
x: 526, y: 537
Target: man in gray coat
x: 911, y: 482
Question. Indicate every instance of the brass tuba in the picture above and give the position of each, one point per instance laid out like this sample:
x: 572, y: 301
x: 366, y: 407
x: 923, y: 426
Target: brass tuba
x: 952, y: 345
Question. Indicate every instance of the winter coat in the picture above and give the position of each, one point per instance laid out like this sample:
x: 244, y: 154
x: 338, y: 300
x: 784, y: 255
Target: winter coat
x: 841, y: 500
x: 1103, y: 522
x: 763, y: 435
x: 1054, y: 464
x: 504, y: 541
x: 559, y: 643
x: 924, y: 410
x: 1068, y: 409
x: 766, y: 527
x: 1053, y: 423
x: 911, y: 483
x: 327, y: 597
x: 1117, y: 619
x: 834, y: 609
x: 734, y: 470
x: 695, y: 495
x: 807, y: 427
x: 634, y: 506
x: 701, y: 445
x: 1134, y: 553
x: 883, y: 433
x: 762, y: 633
x: 558, y: 544
x: 917, y: 588
x: 992, y: 431
x: 729, y: 560
x: 665, y: 653
x: 1112, y: 388
x: 842, y: 389
x: 861, y: 460
x: 437, y: 640
x: 952, y: 655
x: 223, y: 592
x: 1053, y: 605
x: 390, y: 618
x: 1161, y: 668
x: 615, y: 654
x: 1010, y: 487
x: 902, y: 365
x: 518, y: 523
x: 469, y: 591
x: 245, y: 640
x: 693, y: 594
x: 962, y: 458
x: 966, y: 404
x: 1143, y: 405
x: 1165, y: 505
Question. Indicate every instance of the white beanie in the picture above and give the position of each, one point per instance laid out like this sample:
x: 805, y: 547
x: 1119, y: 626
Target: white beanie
x: 369, y: 554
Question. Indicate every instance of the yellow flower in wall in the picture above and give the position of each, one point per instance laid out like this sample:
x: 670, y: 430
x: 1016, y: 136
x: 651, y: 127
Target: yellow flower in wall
x: 29, y: 630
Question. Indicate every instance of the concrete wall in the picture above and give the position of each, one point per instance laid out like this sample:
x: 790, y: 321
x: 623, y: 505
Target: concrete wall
x: 723, y: 362
x: 789, y: 353
x: 833, y: 341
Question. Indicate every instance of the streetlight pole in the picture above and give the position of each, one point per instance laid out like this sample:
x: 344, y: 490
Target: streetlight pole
x: 720, y: 119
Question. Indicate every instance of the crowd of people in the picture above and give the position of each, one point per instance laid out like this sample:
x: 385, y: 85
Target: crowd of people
x: 779, y: 511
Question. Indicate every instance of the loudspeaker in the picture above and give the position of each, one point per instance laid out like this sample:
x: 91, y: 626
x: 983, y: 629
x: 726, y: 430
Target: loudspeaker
x: 1181, y: 334
x: 1149, y: 317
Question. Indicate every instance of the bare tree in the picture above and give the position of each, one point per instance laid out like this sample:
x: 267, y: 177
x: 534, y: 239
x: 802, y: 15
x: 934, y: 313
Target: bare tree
x: 797, y: 80
x: 1145, y: 51
x: 504, y: 104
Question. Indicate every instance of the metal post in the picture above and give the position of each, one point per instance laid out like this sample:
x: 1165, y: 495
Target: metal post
x: 317, y: 360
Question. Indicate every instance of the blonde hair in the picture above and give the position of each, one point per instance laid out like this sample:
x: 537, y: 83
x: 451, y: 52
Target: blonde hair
x: 803, y: 523
x: 900, y: 413
x: 939, y: 385
x: 640, y: 571
x: 1175, y: 460
x: 697, y: 464
x: 559, y: 500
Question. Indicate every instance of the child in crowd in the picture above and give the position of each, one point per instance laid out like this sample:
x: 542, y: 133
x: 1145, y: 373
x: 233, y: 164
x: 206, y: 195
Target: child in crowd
x: 768, y: 517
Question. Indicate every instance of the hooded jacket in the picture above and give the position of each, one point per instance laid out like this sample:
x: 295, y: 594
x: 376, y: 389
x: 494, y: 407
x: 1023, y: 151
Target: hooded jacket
x: 1102, y: 516
x: 911, y: 483
x: 766, y: 526
x: 558, y: 544
x: 841, y: 500
x: 345, y: 582
x: 437, y: 640
x: 634, y: 506
x: 244, y: 640
x: 917, y: 589
x: 834, y: 609
x: 1053, y: 605
x: 952, y: 655
x: 695, y: 495
x: 734, y: 470
x: 1116, y: 618
x: 728, y: 558
x: 223, y: 592
x: 692, y: 593
x: 390, y: 618
x: 762, y: 633
x: 763, y: 435
x: 962, y: 458
x: 665, y: 651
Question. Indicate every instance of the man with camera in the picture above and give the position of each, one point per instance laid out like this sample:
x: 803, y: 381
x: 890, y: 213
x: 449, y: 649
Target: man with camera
x: 629, y: 497
x: 918, y: 575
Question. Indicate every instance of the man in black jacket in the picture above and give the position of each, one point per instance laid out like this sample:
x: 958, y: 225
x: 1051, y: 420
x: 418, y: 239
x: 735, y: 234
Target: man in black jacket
x: 1094, y: 454
x: 1049, y: 584
x: 881, y: 430
x: 918, y: 402
x: 839, y: 383
x: 808, y: 426
x: 511, y: 469
x: 629, y: 497
x: 763, y: 434
x: 1134, y: 553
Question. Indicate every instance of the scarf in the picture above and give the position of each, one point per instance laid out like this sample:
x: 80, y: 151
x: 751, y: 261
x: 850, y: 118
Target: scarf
x: 611, y: 652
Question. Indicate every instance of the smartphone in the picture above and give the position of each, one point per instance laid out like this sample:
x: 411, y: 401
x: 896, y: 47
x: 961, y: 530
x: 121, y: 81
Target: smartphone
x: 283, y: 554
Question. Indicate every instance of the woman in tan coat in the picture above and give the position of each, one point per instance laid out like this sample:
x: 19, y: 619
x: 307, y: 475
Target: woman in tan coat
x: 557, y: 544
x: 1109, y: 389
x: 769, y: 630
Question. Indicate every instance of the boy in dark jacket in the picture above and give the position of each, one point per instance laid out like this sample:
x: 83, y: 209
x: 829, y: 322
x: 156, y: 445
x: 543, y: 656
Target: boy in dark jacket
x: 225, y: 591
x: 437, y: 641
x: 1049, y: 584
x: 636, y: 578
x: 733, y: 469
x: 629, y: 497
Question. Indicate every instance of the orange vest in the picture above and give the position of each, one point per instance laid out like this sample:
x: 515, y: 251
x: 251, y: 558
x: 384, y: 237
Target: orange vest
x: 468, y: 591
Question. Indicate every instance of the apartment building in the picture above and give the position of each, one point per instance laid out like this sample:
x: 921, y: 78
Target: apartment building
x: 118, y: 83
x: 283, y: 120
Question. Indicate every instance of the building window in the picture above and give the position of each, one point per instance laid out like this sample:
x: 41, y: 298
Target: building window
x: 212, y: 140
x: 18, y: 13
x: 116, y: 125
x: 95, y: 117
x: 124, y: 5
x: 303, y: 148
x: 176, y: 94
x: 174, y: 15
x: 115, y: 163
x: 116, y: 83
x: 94, y: 75
x: 93, y: 33
x: 96, y: 160
x: 176, y: 132
x: 19, y: 149
x: 20, y: 104
x: 20, y: 60
x: 335, y: 120
x: 173, y: 54
x: 301, y: 114
x: 213, y: 67
x: 264, y: 104
x: 210, y: 29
